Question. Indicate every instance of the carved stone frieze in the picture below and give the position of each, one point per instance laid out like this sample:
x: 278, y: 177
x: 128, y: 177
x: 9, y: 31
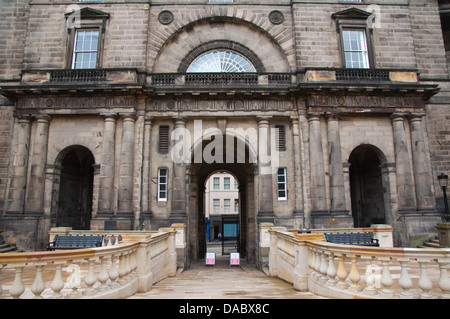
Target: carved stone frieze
x: 219, y: 105
x: 365, y: 101
x: 39, y: 103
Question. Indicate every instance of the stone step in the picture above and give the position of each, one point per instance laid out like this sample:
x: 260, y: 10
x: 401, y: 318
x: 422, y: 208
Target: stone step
x: 7, y: 248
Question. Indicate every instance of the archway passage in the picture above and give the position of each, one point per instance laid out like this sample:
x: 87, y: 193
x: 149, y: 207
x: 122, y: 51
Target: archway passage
x: 243, y: 172
x: 76, y: 188
x: 366, y: 184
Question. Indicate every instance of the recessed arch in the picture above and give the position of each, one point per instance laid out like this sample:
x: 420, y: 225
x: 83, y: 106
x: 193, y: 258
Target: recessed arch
x: 199, y: 172
x: 183, y: 44
x: 75, y: 188
x: 368, y: 198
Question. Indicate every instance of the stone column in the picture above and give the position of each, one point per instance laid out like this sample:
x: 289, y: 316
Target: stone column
x: 421, y: 164
x: 106, y: 187
x: 178, y: 213
x: 36, y: 185
x: 297, y: 169
x: 337, y: 186
x: 146, y: 178
x: 405, y: 186
x: 318, y: 191
x: 265, y: 168
x: 17, y: 187
x: 126, y: 168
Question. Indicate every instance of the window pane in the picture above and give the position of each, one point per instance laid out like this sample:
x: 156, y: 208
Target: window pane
x: 281, y: 186
x: 216, y: 183
x: 85, y: 49
x: 355, y: 49
x: 162, y: 184
x: 226, y: 183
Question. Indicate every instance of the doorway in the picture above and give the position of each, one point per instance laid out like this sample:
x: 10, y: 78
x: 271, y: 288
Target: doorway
x: 74, y: 206
x: 366, y: 186
x: 199, y: 174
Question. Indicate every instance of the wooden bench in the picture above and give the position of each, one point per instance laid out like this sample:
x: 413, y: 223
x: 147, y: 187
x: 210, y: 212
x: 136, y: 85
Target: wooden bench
x: 75, y: 242
x: 360, y: 239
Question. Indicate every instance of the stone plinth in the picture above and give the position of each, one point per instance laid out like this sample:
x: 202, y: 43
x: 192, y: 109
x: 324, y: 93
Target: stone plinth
x: 444, y: 234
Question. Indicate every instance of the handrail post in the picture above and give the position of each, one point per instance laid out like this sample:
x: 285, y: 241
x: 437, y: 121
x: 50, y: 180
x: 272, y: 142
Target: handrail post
x: 405, y: 281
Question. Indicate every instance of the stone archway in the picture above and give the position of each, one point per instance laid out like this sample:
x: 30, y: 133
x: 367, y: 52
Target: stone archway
x: 366, y: 186
x: 74, y: 205
x: 244, y: 172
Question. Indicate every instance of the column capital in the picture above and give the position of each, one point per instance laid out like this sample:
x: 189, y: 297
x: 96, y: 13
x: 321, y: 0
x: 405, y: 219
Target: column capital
x: 397, y: 117
x: 43, y: 118
x: 128, y: 116
x: 263, y: 120
x: 109, y: 116
x: 314, y: 116
x: 414, y: 117
x: 332, y: 116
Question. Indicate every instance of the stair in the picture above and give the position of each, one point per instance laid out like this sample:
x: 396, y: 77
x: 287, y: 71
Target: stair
x: 432, y: 242
x: 4, y: 247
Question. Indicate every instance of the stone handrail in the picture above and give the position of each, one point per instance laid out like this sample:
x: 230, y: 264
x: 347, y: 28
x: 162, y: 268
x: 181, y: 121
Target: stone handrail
x: 112, y: 271
x: 345, y: 271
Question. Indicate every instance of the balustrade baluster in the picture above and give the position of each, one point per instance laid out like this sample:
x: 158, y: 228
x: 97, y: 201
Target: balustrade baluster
x: 331, y: 271
x: 113, y: 272
x: 133, y: 264
x: 122, y: 269
x: 444, y: 280
x: 1, y: 289
x: 354, y: 275
x: 103, y: 275
x: 58, y: 282
x: 90, y: 278
x: 127, y: 267
x: 405, y: 281
x: 369, y: 277
x: 424, y: 281
x: 38, y: 285
x: 313, y: 262
x: 323, y: 267
x: 386, y: 278
x: 17, y: 287
x: 74, y: 280
x: 341, y: 272
x: 317, y: 265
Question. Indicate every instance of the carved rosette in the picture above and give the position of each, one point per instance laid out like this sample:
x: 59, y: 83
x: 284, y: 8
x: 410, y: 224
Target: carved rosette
x: 276, y: 17
x: 165, y: 17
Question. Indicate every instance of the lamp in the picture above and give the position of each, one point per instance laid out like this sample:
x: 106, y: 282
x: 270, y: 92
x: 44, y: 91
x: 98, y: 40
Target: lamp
x: 443, y: 182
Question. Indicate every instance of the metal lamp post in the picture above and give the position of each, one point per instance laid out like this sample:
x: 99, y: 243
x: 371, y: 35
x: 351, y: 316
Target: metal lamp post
x: 443, y: 182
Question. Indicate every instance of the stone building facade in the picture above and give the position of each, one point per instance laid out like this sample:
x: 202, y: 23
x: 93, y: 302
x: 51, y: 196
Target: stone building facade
x: 114, y: 114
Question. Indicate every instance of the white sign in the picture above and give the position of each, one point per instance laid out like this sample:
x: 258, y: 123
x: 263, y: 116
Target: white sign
x: 234, y: 259
x: 211, y: 259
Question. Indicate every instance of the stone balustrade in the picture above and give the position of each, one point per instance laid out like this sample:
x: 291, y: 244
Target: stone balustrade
x: 345, y: 271
x: 117, y: 270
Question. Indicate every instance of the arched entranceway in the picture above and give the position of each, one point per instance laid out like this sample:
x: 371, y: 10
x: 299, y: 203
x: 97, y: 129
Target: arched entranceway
x: 74, y: 206
x: 243, y: 171
x: 366, y: 185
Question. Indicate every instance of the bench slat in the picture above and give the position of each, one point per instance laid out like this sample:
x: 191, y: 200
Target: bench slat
x: 362, y: 239
x: 75, y: 242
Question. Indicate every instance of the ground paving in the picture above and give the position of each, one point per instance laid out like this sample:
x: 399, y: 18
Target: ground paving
x: 223, y: 281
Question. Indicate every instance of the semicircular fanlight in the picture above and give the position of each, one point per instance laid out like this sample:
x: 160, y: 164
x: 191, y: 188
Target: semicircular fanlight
x: 221, y: 61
